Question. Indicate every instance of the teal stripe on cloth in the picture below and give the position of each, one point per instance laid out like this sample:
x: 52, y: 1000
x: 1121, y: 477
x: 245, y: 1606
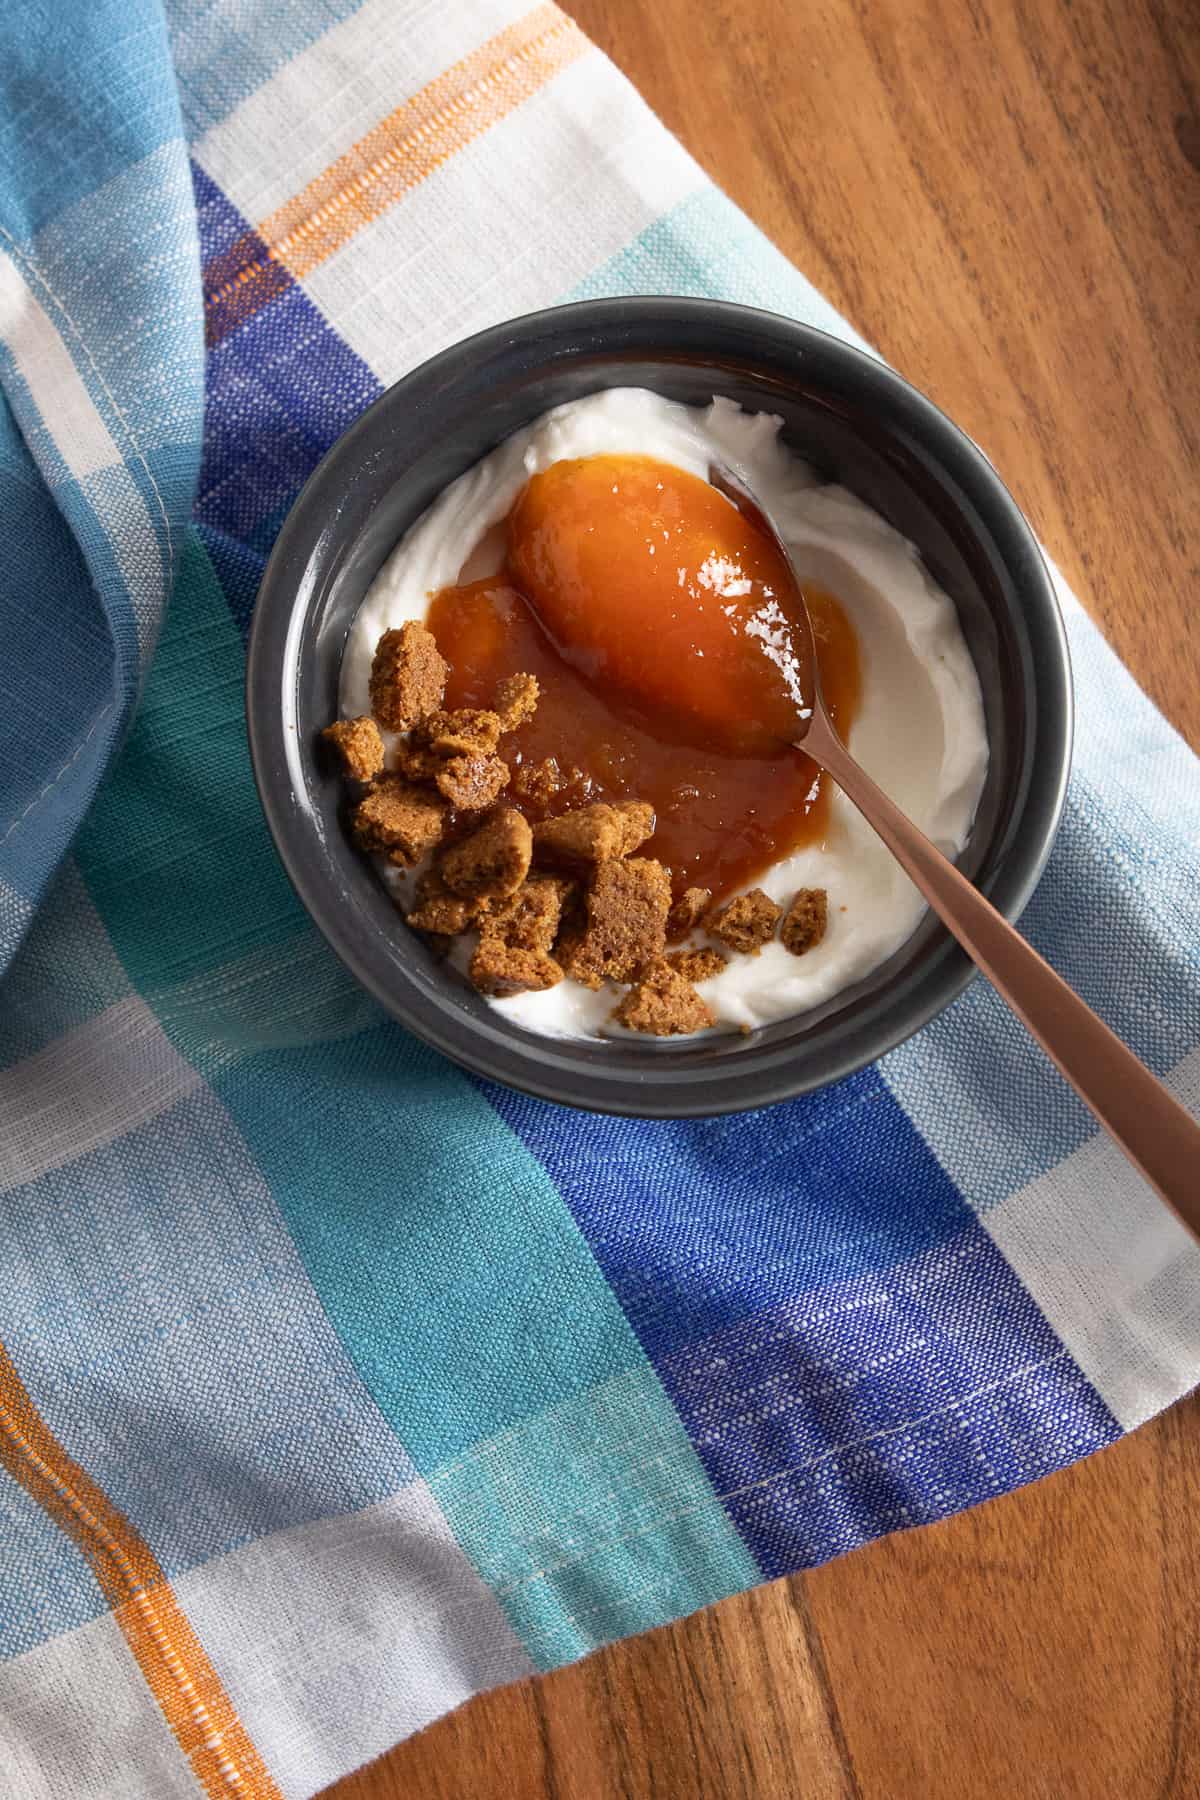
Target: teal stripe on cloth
x: 277, y: 997
x: 173, y: 908
x: 705, y: 246
x: 595, y: 1520
x: 455, y: 1274
x: 492, y: 1344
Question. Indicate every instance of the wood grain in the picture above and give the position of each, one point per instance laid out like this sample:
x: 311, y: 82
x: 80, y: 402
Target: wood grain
x: 1005, y: 199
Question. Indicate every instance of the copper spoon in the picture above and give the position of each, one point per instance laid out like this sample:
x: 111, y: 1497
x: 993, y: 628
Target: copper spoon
x: 1161, y: 1140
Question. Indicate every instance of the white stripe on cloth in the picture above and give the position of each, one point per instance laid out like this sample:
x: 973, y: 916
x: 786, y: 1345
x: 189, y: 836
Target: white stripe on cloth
x: 38, y: 1006
x: 1113, y: 1271
x: 55, y: 385
x: 508, y: 224
x: 90, y: 1086
x: 107, y: 1073
x: 77, y: 1719
x: 85, y: 444
x: 317, y: 106
x: 334, y: 1640
x: 113, y: 497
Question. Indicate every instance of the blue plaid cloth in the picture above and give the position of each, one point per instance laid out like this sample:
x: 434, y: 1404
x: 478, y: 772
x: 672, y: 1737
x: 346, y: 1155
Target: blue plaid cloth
x: 336, y: 1386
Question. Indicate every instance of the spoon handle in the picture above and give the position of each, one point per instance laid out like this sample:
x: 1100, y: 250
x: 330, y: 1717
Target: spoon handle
x: 1158, y: 1136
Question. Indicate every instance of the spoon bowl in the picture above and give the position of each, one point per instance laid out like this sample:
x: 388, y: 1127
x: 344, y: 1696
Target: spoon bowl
x: 796, y: 647
x: 666, y: 597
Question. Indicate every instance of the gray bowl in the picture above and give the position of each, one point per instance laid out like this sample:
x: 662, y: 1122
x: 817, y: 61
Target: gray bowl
x: 857, y: 423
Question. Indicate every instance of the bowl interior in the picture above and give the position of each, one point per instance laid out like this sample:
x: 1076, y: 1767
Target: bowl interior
x: 857, y: 424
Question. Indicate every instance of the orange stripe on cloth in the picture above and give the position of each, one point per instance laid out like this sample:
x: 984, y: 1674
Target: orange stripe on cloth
x: 392, y: 159
x: 168, y: 1652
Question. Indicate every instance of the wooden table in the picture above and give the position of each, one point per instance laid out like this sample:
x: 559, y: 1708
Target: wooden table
x: 1005, y: 199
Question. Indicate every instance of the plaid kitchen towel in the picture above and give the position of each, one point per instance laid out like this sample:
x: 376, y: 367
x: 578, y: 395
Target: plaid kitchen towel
x: 335, y: 1385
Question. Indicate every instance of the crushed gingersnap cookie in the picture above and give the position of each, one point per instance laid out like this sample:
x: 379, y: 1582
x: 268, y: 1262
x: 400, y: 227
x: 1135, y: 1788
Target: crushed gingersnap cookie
x: 746, y: 923
x: 438, y: 912
x: 472, y: 783
x: 637, y: 823
x: 408, y: 676
x: 467, y: 732
x: 516, y: 700
x: 698, y: 965
x: 397, y: 818
x: 516, y: 937
x: 687, y: 913
x: 493, y: 861
x: 502, y: 969
x: 589, y: 834
x: 805, y: 921
x: 594, y: 834
x: 416, y: 763
x: 529, y: 919
x: 359, y: 745
x: 626, y: 922
x: 663, y: 1003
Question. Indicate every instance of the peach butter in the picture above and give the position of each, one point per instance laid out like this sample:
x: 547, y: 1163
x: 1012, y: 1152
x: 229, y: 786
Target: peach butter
x: 657, y: 621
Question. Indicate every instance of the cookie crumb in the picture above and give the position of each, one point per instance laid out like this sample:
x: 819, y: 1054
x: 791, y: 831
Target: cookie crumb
x: 501, y: 969
x: 408, y: 676
x: 698, y: 965
x: 687, y: 913
x: 663, y: 1003
x: 472, y: 783
x: 594, y: 834
x: 516, y: 700
x: 805, y: 921
x: 747, y: 922
x: 493, y: 861
x: 637, y: 824
x: 626, y: 922
x: 439, y: 913
x: 397, y: 818
x: 467, y: 732
x: 359, y: 745
x: 529, y: 919
x: 515, y: 940
x: 416, y: 763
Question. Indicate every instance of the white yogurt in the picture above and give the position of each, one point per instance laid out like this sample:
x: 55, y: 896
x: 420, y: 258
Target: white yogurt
x: 920, y: 725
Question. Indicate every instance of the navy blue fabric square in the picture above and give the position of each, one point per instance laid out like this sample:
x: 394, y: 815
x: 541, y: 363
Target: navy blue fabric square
x: 847, y: 1347
x: 697, y: 1223
x: 267, y: 423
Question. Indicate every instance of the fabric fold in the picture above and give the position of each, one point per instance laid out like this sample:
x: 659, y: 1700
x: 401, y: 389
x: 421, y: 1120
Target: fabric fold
x: 101, y: 373
x: 337, y: 1386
